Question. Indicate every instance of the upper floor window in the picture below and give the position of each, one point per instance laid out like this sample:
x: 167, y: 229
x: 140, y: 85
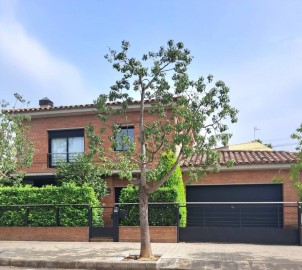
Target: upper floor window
x: 125, y: 131
x: 65, y: 145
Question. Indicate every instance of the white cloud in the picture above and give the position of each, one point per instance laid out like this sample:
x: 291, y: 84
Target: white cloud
x: 24, y: 54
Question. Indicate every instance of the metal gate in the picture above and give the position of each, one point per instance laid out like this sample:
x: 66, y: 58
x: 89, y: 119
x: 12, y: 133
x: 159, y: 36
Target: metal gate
x: 242, y: 222
x: 103, y: 224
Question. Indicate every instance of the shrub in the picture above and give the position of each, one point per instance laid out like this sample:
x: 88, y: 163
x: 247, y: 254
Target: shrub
x: 83, y: 170
x: 50, y: 195
x: 172, y: 191
x: 175, y: 181
x: 159, y: 215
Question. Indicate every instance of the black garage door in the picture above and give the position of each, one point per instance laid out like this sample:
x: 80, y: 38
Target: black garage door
x: 235, y: 193
x: 228, y: 221
x: 235, y: 215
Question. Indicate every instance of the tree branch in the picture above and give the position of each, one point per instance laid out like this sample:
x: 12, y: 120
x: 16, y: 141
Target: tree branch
x: 155, y: 76
x: 167, y: 176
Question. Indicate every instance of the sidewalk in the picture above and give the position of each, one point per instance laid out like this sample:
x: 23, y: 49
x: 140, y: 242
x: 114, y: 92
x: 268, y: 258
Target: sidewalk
x: 174, y: 256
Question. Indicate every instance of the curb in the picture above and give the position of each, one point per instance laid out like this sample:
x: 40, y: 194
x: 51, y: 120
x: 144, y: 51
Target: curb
x: 166, y: 264
x: 135, y: 265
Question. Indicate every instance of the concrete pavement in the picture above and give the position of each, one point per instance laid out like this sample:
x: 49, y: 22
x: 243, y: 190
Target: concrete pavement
x: 173, y: 256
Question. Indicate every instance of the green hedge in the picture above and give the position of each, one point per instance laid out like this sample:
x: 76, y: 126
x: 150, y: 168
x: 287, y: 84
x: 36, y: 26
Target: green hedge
x: 172, y: 191
x: 159, y: 215
x: 175, y: 181
x: 46, y: 216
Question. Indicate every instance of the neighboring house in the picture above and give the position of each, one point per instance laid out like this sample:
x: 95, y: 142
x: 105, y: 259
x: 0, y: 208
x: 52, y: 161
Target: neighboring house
x: 249, y: 146
x: 58, y: 133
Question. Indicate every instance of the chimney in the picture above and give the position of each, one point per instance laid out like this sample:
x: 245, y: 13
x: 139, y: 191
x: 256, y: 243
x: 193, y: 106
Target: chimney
x: 45, y: 102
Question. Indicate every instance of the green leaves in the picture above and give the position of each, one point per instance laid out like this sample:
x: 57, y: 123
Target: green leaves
x: 175, y: 181
x: 16, y: 151
x: 50, y: 195
x: 83, y: 171
x: 185, y: 115
x: 159, y: 215
x: 296, y: 168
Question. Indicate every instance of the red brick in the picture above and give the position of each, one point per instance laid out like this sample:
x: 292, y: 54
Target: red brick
x: 159, y: 234
x: 68, y: 234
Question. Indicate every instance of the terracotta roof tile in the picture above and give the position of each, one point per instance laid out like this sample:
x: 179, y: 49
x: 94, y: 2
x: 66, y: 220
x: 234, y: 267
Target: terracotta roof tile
x: 246, y: 158
x: 68, y: 107
x: 54, y: 108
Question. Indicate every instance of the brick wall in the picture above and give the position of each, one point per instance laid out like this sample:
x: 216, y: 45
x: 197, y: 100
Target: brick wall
x: 80, y: 234
x: 68, y: 234
x: 39, y: 136
x: 159, y: 234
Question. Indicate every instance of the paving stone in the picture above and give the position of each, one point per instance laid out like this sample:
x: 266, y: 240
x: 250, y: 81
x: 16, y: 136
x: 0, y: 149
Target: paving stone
x: 243, y: 265
x: 174, y: 256
x: 257, y: 266
x: 166, y: 263
x: 229, y: 266
x: 272, y: 266
x: 199, y: 264
x: 183, y: 263
x: 213, y: 265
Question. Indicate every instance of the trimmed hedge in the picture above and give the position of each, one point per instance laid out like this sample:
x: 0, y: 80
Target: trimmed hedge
x: 159, y: 215
x: 46, y: 216
x: 172, y: 191
x: 175, y: 181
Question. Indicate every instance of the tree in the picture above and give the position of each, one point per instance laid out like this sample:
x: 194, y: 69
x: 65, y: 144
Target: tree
x: 189, y: 119
x: 83, y: 170
x: 297, y: 167
x: 16, y: 151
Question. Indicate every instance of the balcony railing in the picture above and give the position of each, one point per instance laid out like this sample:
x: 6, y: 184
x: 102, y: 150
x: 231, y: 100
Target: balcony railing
x: 54, y: 158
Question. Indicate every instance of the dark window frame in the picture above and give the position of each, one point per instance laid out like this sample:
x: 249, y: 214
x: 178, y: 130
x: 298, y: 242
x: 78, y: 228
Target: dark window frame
x: 125, y: 127
x: 63, y: 134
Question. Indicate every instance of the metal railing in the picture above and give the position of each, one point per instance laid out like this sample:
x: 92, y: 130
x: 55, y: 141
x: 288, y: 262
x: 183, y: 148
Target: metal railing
x: 159, y: 214
x: 223, y: 214
x: 44, y: 215
x: 54, y: 158
x: 241, y: 215
x: 201, y: 214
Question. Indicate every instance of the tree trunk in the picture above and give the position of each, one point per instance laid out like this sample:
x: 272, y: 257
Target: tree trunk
x: 145, y: 251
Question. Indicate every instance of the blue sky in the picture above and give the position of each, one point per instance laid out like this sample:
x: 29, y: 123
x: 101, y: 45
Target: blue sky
x: 56, y: 49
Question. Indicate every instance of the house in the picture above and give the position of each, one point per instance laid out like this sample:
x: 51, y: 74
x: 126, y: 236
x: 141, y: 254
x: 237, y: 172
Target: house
x: 251, y: 146
x: 58, y: 132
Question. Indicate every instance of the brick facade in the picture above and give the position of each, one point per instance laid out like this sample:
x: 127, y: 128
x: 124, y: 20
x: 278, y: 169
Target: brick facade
x: 38, y: 134
x: 40, y: 126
